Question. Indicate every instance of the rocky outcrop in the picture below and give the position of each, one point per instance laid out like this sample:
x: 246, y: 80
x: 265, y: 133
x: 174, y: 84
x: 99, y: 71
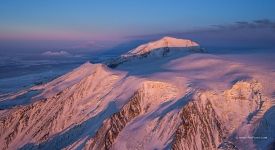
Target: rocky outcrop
x: 227, y: 145
x: 151, y: 94
x: 201, y: 128
x: 210, y: 120
x: 110, y: 129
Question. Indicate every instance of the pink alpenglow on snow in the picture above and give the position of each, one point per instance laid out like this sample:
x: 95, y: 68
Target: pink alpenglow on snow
x: 162, y: 43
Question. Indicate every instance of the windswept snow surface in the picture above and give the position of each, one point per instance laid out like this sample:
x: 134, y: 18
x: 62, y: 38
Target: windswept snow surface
x: 162, y: 43
x: 183, y: 101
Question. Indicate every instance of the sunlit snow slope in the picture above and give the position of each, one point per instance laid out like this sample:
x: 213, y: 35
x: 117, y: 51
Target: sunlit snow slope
x: 165, y: 42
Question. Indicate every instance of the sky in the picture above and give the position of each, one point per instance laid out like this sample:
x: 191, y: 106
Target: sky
x: 51, y: 24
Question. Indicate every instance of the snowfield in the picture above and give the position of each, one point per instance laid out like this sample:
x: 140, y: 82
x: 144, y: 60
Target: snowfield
x: 167, y: 94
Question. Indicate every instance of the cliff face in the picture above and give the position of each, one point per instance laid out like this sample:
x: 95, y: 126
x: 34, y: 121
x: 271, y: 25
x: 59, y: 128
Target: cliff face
x: 212, y: 120
x: 143, y: 101
x: 110, y: 129
x: 201, y: 128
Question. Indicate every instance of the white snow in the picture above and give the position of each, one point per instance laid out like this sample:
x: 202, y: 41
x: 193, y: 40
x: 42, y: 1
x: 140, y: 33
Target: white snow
x: 162, y: 43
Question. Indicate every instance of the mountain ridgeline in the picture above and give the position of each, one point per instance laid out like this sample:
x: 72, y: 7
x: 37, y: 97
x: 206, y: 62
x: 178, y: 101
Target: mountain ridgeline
x: 161, y: 48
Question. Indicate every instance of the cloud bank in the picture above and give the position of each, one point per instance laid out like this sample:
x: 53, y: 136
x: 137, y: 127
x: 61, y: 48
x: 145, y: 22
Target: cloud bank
x: 57, y: 53
x: 250, y: 34
x: 256, y: 24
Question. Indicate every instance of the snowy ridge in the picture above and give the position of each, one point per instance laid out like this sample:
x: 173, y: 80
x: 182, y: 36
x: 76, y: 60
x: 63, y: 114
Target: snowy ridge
x: 166, y: 46
x: 62, y: 82
x: 57, y: 112
x: 211, y: 123
x: 165, y: 42
x: 74, y: 77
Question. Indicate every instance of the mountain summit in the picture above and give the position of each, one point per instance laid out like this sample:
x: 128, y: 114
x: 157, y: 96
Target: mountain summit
x: 160, y: 48
x: 165, y: 42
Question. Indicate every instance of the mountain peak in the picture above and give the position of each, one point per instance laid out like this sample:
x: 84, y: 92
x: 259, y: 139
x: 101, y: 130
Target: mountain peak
x: 169, y: 38
x: 162, y: 43
x: 159, y: 48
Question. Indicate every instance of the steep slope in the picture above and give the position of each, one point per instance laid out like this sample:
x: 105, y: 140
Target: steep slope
x: 197, y: 121
x: 150, y: 96
x: 211, y: 123
x: 61, y: 83
x: 165, y: 43
x: 64, y: 104
x: 266, y: 130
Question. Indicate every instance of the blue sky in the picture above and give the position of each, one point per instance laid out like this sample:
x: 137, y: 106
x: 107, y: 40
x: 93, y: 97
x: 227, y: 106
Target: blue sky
x: 87, y: 20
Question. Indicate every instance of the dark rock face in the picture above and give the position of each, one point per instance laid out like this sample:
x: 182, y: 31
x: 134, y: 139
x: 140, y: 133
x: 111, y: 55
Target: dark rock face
x: 26, y: 120
x: 111, y: 127
x: 226, y: 145
x: 160, y: 52
x: 201, y: 128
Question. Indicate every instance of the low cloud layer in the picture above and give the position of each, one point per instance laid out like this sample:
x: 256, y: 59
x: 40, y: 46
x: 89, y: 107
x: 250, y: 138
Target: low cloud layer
x: 256, y: 24
x: 56, y: 53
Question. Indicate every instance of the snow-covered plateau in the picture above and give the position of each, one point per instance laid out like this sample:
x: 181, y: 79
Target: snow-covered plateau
x: 166, y: 94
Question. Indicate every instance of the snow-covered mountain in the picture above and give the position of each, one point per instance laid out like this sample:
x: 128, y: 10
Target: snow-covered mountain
x: 166, y: 46
x: 193, y: 101
x: 164, y: 43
